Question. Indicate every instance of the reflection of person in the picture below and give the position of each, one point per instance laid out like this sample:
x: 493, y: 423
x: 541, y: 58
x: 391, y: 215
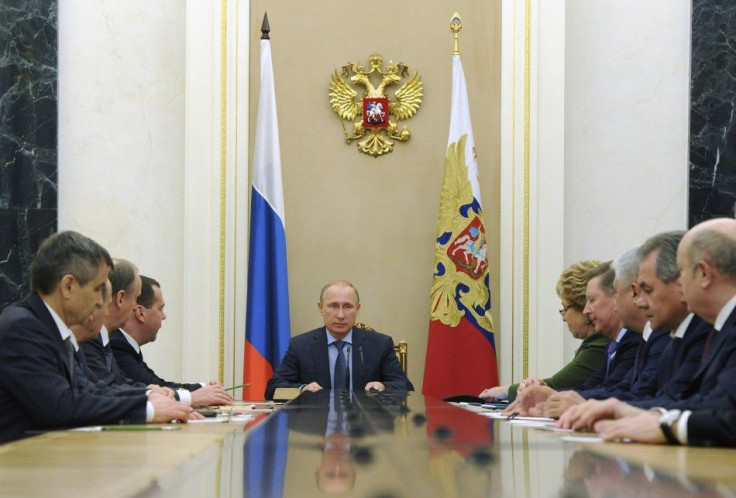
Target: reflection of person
x: 38, y: 388
x: 591, y: 353
x: 368, y: 362
x: 588, y: 474
x: 142, y: 328
x: 335, y: 473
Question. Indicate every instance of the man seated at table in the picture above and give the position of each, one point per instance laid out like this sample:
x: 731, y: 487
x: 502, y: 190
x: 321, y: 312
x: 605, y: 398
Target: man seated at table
x: 38, y: 383
x: 142, y: 328
x: 340, y: 354
x: 601, y: 295
x: 704, y: 412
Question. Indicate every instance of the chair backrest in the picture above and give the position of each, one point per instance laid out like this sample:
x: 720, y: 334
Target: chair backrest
x: 401, y: 349
x: 402, y: 353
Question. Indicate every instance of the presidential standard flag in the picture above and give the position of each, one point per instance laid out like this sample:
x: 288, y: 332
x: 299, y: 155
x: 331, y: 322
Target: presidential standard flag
x: 267, y: 329
x: 461, y: 351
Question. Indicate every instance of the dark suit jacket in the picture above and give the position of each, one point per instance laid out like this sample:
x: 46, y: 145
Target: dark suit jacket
x: 715, y: 377
x: 637, y: 382
x: 622, y: 362
x: 712, y: 428
x: 94, y: 353
x: 37, y: 390
x: 372, y: 359
x: 677, y: 367
x: 132, y: 364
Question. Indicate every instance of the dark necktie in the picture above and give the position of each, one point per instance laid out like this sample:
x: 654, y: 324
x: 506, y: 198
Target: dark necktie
x: 81, y: 361
x: 709, y: 342
x: 108, y: 357
x: 640, y: 356
x: 71, y: 360
x: 611, y: 351
x: 340, y: 374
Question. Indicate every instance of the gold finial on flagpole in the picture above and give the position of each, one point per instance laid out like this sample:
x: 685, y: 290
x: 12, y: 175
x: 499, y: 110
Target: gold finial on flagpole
x: 456, y: 25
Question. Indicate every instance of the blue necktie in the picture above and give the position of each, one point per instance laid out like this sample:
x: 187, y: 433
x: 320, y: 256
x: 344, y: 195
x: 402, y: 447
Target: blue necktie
x: 71, y: 359
x: 108, y: 357
x: 611, y: 351
x: 340, y: 375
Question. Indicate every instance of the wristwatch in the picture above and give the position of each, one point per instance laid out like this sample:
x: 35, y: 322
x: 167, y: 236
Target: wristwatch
x: 666, y: 421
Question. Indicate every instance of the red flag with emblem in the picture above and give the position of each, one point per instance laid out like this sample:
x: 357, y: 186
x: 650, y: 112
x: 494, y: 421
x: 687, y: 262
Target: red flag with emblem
x: 461, y: 350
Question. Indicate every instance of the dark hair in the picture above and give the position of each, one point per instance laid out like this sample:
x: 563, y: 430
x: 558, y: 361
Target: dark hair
x: 66, y: 253
x: 665, y: 267
x: 122, y: 276
x: 147, y: 297
x: 607, y: 274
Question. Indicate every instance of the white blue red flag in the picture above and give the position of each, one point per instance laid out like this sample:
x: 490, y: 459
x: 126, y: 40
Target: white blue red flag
x: 267, y: 326
x: 461, y: 349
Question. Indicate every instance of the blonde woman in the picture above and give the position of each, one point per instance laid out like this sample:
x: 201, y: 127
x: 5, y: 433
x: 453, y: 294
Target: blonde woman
x: 591, y: 353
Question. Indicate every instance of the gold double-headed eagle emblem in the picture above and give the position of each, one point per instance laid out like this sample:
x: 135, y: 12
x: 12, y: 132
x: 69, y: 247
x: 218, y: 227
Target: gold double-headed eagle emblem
x: 376, y: 113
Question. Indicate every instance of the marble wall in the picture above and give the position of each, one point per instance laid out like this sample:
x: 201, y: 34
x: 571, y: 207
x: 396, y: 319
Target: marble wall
x: 28, y: 126
x: 712, y: 117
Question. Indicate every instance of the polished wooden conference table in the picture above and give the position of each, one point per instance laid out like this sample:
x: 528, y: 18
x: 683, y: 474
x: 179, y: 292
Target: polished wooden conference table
x: 375, y: 445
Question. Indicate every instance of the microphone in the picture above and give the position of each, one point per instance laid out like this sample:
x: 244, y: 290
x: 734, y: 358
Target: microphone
x: 362, y: 367
x: 347, y: 373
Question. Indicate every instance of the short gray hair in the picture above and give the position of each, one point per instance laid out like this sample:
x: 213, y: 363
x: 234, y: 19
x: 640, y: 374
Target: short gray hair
x: 338, y: 282
x: 626, y: 267
x: 665, y: 267
x: 715, y: 247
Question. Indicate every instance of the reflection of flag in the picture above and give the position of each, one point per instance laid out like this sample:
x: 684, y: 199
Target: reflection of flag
x: 264, y: 458
x: 267, y: 329
x: 461, y: 351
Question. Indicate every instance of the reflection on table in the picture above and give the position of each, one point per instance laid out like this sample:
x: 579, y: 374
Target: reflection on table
x: 356, y: 444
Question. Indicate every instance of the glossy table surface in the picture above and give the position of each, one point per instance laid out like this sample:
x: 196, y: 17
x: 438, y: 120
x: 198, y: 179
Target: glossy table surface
x: 360, y: 445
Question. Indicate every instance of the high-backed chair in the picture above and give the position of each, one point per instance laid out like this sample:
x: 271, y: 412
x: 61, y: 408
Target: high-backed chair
x: 401, y: 348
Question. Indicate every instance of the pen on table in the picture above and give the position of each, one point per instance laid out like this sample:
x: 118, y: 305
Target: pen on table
x: 512, y: 416
x: 235, y: 387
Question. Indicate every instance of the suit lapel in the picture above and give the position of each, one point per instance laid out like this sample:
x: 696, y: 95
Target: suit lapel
x: 358, y: 372
x: 37, y: 306
x: 320, y: 358
x: 720, y: 338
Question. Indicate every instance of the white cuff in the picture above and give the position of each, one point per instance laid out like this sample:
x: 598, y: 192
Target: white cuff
x: 682, y: 426
x: 150, y: 412
x: 185, y: 396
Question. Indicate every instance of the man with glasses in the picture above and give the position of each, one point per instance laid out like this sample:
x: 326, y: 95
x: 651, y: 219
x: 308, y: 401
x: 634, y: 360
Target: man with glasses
x: 340, y: 354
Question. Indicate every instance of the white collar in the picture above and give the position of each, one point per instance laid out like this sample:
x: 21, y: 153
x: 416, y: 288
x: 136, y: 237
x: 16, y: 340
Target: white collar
x: 348, y: 337
x: 104, y: 336
x: 621, y: 334
x: 131, y: 341
x: 679, y: 332
x: 647, y: 330
x: 724, y: 314
x: 63, y: 329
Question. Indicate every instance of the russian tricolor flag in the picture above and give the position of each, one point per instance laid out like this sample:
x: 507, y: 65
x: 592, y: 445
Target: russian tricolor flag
x: 267, y: 328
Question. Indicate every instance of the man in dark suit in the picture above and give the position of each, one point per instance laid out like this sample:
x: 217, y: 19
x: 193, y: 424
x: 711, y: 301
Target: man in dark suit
x: 320, y: 358
x: 706, y: 258
x: 600, y: 309
x: 126, y: 287
x: 140, y: 329
x: 38, y: 389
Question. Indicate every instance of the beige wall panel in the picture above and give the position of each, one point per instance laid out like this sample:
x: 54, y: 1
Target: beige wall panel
x: 372, y: 220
